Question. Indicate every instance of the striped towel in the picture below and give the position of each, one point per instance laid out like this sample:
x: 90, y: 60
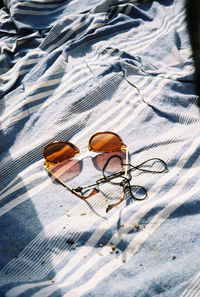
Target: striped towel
x: 69, y: 69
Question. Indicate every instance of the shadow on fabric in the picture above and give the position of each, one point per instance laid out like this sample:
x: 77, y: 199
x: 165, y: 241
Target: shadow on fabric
x: 193, y: 23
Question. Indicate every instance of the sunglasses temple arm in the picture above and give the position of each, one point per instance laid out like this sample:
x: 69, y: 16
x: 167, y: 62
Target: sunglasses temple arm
x: 73, y: 191
x: 94, y: 191
x: 126, y: 166
x: 110, y: 206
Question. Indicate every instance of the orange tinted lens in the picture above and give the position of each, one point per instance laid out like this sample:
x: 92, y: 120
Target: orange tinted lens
x: 59, y: 151
x: 105, y: 142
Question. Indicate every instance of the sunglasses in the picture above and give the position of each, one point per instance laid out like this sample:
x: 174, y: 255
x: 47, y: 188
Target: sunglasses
x: 60, y: 164
x: 58, y: 157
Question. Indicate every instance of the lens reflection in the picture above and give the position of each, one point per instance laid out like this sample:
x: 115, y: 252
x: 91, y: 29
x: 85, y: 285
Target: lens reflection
x: 67, y: 170
x: 114, y: 164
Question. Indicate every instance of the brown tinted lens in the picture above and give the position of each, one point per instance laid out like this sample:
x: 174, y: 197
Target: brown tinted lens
x: 105, y: 142
x: 59, y: 151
